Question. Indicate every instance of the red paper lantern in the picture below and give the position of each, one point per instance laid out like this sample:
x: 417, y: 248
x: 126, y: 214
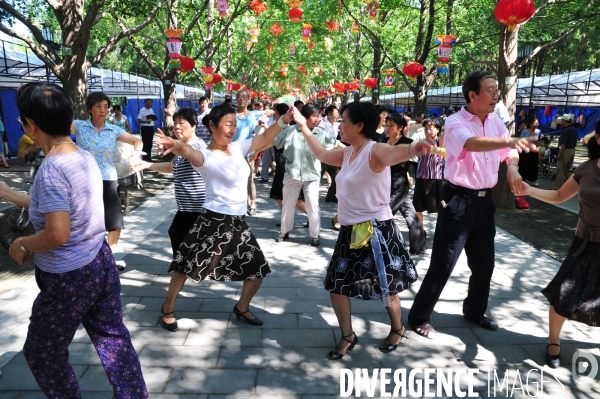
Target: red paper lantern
x: 370, y: 82
x: 295, y: 14
x: 207, y: 69
x: 187, y: 64
x: 332, y: 25
x: 348, y: 87
x: 216, y: 78
x: 513, y: 12
x: 413, y: 69
x: 236, y: 86
x: 276, y: 29
x: 257, y: 6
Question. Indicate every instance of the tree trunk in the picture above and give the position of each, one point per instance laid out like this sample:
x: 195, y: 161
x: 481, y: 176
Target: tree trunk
x: 75, y: 83
x: 170, y: 90
x: 501, y: 194
x: 420, y: 101
x: 376, y: 70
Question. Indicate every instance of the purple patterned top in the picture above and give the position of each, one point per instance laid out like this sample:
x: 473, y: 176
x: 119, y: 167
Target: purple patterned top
x: 72, y: 183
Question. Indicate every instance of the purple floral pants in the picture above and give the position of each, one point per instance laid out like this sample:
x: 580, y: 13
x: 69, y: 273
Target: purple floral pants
x: 89, y: 295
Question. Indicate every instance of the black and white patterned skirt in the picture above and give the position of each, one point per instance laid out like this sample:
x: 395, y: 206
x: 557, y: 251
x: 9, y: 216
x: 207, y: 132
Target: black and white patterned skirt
x: 352, y: 272
x: 220, y: 247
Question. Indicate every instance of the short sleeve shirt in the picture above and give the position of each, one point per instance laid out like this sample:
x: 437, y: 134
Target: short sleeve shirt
x: 100, y: 145
x: 245, y: 126
x: 226, y: 178
x: 202, y: 131
x: 474, y: 170
x: 568, y: 137
x: 144, y: 112
x: 300, y: 163
x: 190, y: 189
x: 69, y: 183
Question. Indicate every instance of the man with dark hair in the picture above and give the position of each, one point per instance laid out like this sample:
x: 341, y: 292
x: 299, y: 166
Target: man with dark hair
x: 566, y: 150
x: 299, y: 104
x: 146, y: 120
x: 229, y: 102
x: 201, y: 130
x: 476, y: 142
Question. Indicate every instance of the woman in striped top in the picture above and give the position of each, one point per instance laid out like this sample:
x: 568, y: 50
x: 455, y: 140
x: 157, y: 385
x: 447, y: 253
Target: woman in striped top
x: 190, y: 192
x: 428, y: 182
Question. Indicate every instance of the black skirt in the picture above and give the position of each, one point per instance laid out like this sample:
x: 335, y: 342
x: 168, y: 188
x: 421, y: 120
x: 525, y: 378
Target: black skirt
x: 353, y: 273
x: 427, y: 195
x: 220, y: 247
x: 575, y: 290
x: 277, y: 186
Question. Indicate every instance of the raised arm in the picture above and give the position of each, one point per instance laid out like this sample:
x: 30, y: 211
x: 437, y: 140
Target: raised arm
x: 265, y: 140
x: 167, y: 145
x: 384, y: 155
x: 13, y: 196
x: 333, y: 157
x: 566, y: 192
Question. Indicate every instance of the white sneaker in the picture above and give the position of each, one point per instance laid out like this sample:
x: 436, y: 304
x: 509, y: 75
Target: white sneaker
x: 121, y: 265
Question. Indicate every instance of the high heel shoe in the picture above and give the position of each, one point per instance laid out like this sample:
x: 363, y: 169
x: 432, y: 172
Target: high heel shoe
x: 553, y: 361
x: 336, y: 226
x: 387, y: 347
x: 167, y: 326
x: 255, y: 321
x: 335, y: 355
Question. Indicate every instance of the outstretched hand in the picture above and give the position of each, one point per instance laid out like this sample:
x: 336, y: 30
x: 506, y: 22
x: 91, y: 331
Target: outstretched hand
x: 297, y: 116
x: 165, y: 144
x: 524, y: 189
x: 524, y: 144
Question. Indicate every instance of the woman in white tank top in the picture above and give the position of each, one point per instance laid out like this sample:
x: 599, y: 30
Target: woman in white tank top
x: 383, y: 268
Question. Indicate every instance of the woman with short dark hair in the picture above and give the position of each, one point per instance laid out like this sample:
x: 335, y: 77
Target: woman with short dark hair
x: 99, y: 139
x: 74, y: 266
x: 220, y: 245
x: 369, y: 260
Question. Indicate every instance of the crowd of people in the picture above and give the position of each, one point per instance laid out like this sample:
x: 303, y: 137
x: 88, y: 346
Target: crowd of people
x: 365, y: 149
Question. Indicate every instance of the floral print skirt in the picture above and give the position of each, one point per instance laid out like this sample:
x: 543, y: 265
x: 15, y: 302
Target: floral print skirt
x: 353, y: 273
x: 220, y: 247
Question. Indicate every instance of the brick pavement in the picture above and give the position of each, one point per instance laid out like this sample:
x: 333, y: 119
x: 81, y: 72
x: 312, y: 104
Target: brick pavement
x: 213, y: 355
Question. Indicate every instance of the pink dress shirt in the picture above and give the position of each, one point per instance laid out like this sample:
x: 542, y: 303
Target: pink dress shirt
x: 474, y: 170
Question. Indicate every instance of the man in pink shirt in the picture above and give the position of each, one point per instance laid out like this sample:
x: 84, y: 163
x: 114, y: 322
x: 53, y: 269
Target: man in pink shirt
x: 476, y: 142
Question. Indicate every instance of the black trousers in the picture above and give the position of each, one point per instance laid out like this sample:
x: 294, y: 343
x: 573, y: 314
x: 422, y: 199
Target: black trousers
x: 333, y: 171
x: 180, y: 227
x: 400, y: 201
x: 147, y: 133
x: 466, y: 221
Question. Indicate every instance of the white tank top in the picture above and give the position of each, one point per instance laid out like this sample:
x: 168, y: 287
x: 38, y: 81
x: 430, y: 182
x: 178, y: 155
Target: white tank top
x: 362, y: 194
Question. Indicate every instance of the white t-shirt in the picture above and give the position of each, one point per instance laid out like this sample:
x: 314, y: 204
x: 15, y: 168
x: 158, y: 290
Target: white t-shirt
x: 226, y: 178
x: 144, y: 112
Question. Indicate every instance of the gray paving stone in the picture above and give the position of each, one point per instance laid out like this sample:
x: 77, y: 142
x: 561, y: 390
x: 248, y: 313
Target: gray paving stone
x: 245, y: 337
x: 182, y: 304
x: 141, y: 336
x: 17, y: 377
x: 179, y: 356
x: 361, y: 357
x: 281, y: 382
x: 297, y: 338
x: 211, y: 381
x: 271, y: 320
x: 178, y: 396
x: 283, y: 306
x: 326, y: 320
x: 490, y: 355
x: 258, y: 358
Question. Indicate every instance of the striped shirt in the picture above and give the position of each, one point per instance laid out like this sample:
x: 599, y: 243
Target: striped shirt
x: 69, y: 183
x: 190, y: 190
x: 430, y: 166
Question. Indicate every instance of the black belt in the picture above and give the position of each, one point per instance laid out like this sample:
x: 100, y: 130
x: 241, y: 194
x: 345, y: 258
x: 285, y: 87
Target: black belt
x: 468, y: 191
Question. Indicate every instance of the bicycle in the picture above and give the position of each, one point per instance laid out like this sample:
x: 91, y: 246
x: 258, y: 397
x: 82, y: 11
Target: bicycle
x: 16, y: 222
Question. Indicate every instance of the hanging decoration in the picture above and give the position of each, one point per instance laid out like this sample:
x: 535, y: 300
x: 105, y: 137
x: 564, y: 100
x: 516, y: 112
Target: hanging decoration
x: 210, y: 78
x: 258, y: 6
x: 295, y: 13
x: 276, y: 29
x: 292, y: 48
x: 332, y: 25
x: 445, y: 43
x: 328, y: 43
x: 223, y: 7
x: 311, y: 45
x: 413, y: 69
x: 306, y: 32
x: 301, y: 68
x: 254, y: 32
x: 355, y: 86
x: 317, y: 69
x: 233, y: 86
x: 284, y: 70
x: 389, y: 83
x: 355, y: 28
x: 187, y: 64
x: 174, y: 45
x: 514, y: 12
x: 372, y: 6
x: 370, y: 82
x: 250, y: 47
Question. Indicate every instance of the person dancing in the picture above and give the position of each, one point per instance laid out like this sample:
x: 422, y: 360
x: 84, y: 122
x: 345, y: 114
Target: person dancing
x: 574, y: 293
x: 220, y: 245
x: 190, y: 193
x: 384, y: 268
x: 74, y: 266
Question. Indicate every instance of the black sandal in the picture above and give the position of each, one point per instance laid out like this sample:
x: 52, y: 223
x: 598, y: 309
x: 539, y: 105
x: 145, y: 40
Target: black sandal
x: 167, y: 326
x: 334, y: 355
x: 553, y: 361
x: 387, y: 347
x: 254, y: 322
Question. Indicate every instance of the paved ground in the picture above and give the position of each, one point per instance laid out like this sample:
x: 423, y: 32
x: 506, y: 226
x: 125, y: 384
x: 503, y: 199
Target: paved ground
x: 213, y: 355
